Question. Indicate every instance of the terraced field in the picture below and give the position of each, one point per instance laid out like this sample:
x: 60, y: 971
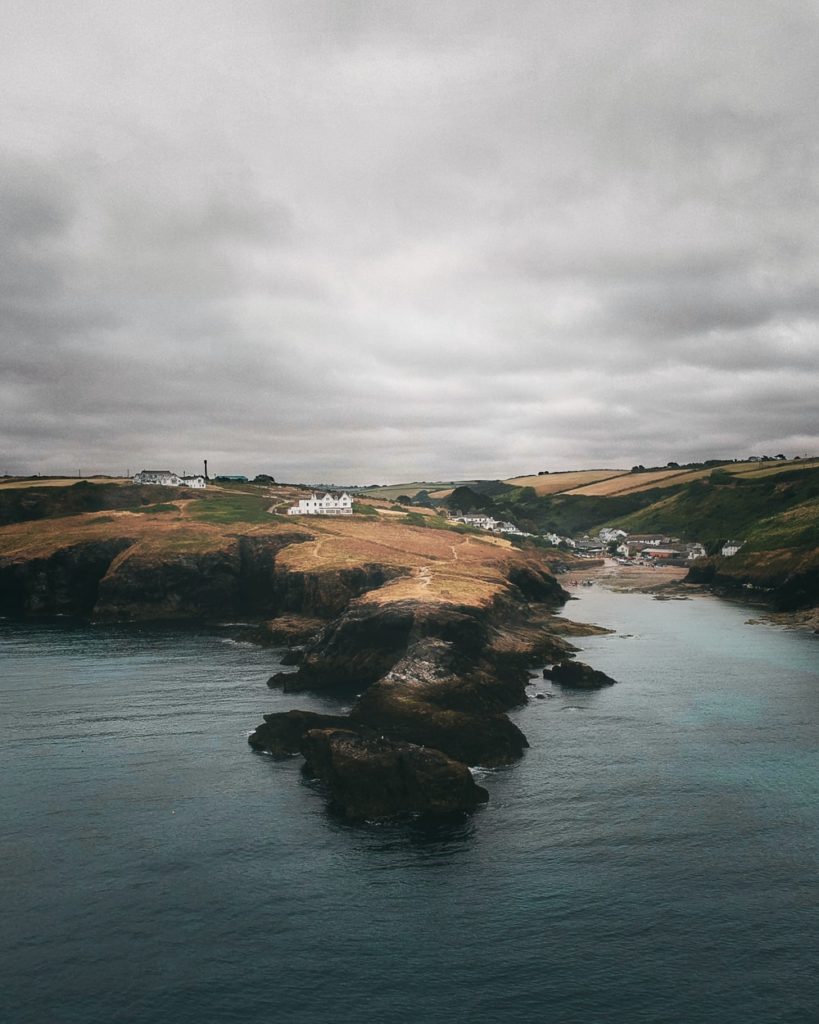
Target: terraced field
x: 560, y: 483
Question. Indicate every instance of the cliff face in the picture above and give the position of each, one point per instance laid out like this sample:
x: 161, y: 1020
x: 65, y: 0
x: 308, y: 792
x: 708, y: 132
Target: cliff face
x: 120, y: 580
x: 66, y: 582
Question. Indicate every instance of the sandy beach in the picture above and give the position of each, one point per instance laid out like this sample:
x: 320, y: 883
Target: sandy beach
x: 646, y: 578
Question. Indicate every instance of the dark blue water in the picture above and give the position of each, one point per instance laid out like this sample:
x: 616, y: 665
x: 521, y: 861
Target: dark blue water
x: 652, y: 859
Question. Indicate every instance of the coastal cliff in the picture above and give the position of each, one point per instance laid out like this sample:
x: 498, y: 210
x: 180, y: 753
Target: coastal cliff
x: 430, y: 632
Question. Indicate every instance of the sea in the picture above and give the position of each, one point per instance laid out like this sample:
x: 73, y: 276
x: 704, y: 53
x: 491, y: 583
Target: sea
x: 653, y: 857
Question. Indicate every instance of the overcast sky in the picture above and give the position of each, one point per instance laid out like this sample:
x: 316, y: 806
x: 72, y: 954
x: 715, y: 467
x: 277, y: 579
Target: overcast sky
x: 427, y: 239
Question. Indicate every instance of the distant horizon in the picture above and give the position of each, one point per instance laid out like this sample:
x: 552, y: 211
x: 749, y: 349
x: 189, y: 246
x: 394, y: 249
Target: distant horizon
x: 316, y: 481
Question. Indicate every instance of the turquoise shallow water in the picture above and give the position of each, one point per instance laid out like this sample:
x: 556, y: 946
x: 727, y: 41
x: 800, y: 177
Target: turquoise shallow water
x: 652, y: 859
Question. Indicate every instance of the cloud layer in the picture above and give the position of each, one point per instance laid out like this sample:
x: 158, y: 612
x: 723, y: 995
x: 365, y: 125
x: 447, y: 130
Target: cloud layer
x: 375, y: 240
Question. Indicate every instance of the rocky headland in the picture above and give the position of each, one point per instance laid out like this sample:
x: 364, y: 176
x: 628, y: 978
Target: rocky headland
x: 430, y: 634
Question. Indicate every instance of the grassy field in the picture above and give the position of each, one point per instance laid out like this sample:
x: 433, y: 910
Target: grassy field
x: 634, y: 483
x: 730, y: 505
x: 230, y: 507
x: 60, y: 481
x: 392, y: 491
x: 557, y: 483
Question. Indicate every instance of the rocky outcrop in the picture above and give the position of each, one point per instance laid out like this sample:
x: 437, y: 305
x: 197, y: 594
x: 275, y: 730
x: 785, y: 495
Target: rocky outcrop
x: 432, y: 648
x: 281, y: 734
x: 577, y: 676
x: 434, y: 698
x: 374, y: 777
x: 362, y: 645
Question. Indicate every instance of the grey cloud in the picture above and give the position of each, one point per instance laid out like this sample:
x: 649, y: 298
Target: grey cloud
x: 377, y: 240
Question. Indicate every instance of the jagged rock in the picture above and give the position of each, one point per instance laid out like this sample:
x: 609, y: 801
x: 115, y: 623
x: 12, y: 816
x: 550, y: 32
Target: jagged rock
x: 289, y: 629
x: 278, y: 680
x: 575, y: 675
x: 422, y: 700
x: 375, y: 777
x: 281, y: 733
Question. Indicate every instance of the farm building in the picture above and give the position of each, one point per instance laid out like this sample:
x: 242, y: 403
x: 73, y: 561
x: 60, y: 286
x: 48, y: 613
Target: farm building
x: 165, y: 478
x: 326, y: 506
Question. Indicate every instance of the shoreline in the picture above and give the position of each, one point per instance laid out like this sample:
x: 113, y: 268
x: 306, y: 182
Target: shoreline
x: 624, y: 578
x: 669, y: 583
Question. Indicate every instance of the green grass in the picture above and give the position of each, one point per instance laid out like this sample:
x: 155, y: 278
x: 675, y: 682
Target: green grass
x: 392, y: 491
x: 233, y: 507
x: 726, y: 506
x: 151, y: 509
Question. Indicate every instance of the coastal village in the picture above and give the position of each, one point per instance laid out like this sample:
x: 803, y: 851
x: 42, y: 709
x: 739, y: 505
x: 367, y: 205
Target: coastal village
x: 637, y: 548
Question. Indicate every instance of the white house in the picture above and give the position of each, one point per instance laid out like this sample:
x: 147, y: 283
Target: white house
x: 730, y: 547
x: 326, y: 506
x: 481, y: 522
x: 166, y: 478
x: 163, y: 477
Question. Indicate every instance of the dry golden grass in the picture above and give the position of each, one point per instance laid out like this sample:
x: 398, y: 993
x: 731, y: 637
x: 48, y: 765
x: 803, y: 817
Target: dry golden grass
x: 66, y: 481
x: 432, y: 565
x: 633, y: 483
x: 436, y: 565
x: 557, y: 483
x: 753, y: 470
x: 156, y: 534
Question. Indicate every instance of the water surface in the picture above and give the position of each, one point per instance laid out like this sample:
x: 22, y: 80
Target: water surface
x: 652, y: 859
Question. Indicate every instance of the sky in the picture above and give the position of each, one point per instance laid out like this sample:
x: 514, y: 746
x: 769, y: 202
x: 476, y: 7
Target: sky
x: 364, y: 241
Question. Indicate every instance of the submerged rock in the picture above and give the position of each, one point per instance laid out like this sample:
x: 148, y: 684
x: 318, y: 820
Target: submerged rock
x: 577, y: 676
x: 369, y: 776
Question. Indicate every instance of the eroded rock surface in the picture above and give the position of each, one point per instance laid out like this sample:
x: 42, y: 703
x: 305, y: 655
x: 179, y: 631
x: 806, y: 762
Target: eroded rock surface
x: 372, y: 776
x: 577, y: 676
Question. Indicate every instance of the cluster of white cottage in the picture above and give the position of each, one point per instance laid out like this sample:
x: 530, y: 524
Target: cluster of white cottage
x: 165, y: 478
x: 326, y: 506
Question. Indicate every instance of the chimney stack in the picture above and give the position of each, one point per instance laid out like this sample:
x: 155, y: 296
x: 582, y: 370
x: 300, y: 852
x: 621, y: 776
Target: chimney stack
x: 206, y: 469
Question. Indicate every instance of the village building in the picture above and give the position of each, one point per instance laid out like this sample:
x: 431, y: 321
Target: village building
x: 326, y: 506
x: 645, y: 540
x: 608, y: 534
x: 481, y: 522
x: 695, y: 550
x: 660, y: 554
x: 492, y: 525
x: 163, y: 477
x: 587, y: 546
x: 730, y: 547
